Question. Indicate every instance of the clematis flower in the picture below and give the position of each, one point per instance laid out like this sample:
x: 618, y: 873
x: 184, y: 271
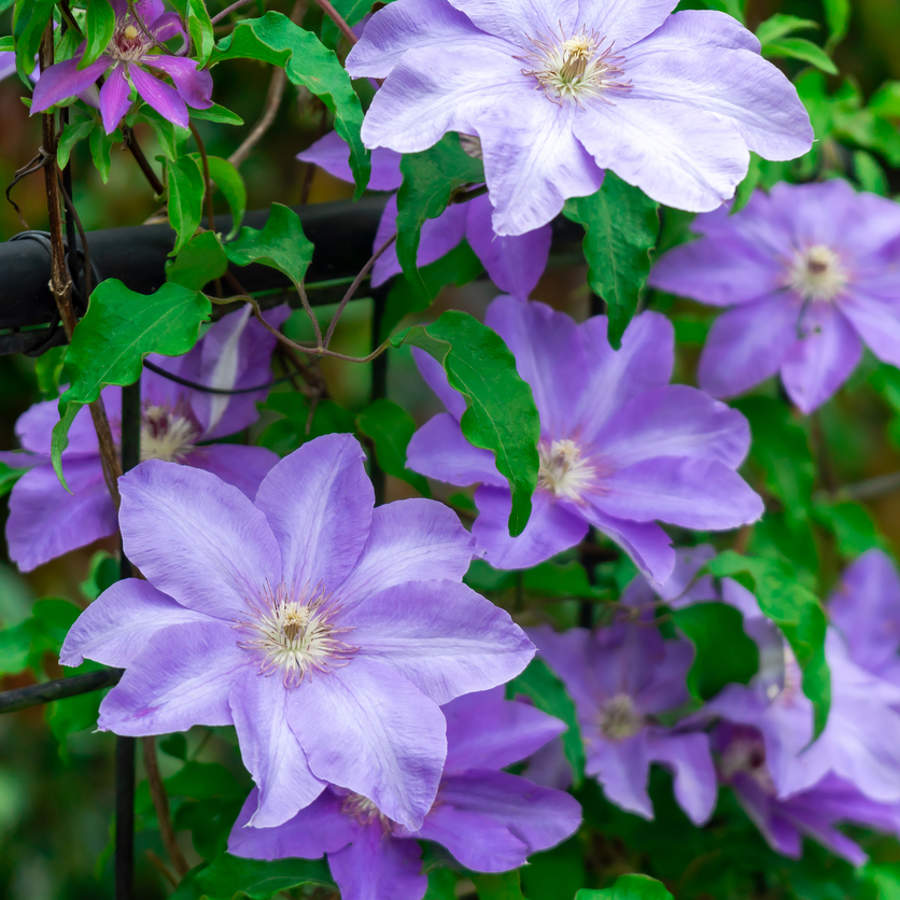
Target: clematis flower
x: 861, y: 740
x: 327, y: 632
x: 558, y: 92
x: 809, y: 273
x: 7, y: 63
x: 177, y: 423
x: 514, y: 264
x: 620, y: 447
x: 813, y: 812
x: 621, y: 677
x: 490, y: 821
x: 140, y: 29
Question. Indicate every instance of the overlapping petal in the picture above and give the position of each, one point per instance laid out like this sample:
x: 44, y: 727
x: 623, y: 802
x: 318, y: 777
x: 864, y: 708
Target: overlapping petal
x: 375, y: 866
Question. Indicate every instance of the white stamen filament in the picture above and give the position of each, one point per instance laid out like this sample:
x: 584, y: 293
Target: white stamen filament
x: 817, y: 273
x: 166, y: 434
x: 563, y: 471
x: 295, y: 636
x: 365, y: 812
x: 575, y: 68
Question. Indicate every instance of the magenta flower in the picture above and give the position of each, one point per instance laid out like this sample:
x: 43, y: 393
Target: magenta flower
x: 813, y: 812
x: 327, y: 632
x: 861, y: 740
x: 620, y: 447
x: 810, y: 275
x: 490, y: 821
x: 558, y: 92
x: 46, y: 521
x: 621, y: 678
x: 514, y: 264
x: 140, y: 29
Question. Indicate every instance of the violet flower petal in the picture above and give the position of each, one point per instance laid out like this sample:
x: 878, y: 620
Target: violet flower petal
x: 318, y: 502
x: 236, y: 464
x: 440, y: 451
x: 877, y: 322
x: 219, y: 551
x: 332, y: 154
x: 263, y: 709
x: 164, y: 99
x: 115, y: 99
x: 375, y: 865
x: 688, y: 757
x: 194, y: 85
x: 64, y: 79
x: 375, y: 734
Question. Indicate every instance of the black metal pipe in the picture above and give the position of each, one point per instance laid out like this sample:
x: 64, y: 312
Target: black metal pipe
x: 58, y: 689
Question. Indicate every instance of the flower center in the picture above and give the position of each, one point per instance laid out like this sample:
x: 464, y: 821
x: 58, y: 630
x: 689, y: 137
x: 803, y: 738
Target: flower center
x: 619, y: 719
x: 746, y: 754
x: 563, y: 471
x: 129, y: 43
x: 294, y: 636
x: 817, y: 273
x: 365, y: 812
x: 576, y: 67
x: 166, y: 434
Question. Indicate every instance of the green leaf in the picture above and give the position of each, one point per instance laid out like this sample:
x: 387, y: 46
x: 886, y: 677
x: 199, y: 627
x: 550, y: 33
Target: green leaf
x: 30, y: 18
x: 870, y: 174
x: 201, y: 261
x: 441, y: 885
x: 390, y: 428
x: 629, y: 887
x: 186, y: 189
x: 780, y: 25
x: 549, y: 694
x: 723, y: 652
x: 781, y: 452
x: 200, y: 29
x: 109, y: 344
x: 100, y: 144
x: 8, y: 477
x: 276, y: 40
x: 99, y: 24
x: 228, y: 180
x: 621, y: 227
x: 429, y: 180
x: 500, y: 413
x: 286, y: 434
x: 74, y: 132
x: 228, y: 877
x: 852, y: 525
x: 837, y: 17
x: 170, y: 136
x: 15, y: 646
x: 796, y: 611
x: 220, y: 114
x: 555, y: 873
x: 104, y: 572
x: 281, y: 244
x: 802, y: 49
x: 732, y: 7
x: 505, y: 886
x: 886, y: 100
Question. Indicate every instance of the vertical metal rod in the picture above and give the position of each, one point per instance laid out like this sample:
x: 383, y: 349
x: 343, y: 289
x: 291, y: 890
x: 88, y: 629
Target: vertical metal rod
x: 125, y: 746
x: 379, y: 377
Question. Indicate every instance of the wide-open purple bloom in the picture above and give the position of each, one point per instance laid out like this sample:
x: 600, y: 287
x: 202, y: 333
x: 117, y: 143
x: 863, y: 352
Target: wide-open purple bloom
x: 813, y: 812
x: 861, y: 740
x: 621, y: 677
x: 809, y: 273
x: 139, y: 31
x: 558, y: 92
x: 326, y: 631
x: 514, y: 264
x: 177, y: 423
x: 489, y: 820
x: 620, y: 447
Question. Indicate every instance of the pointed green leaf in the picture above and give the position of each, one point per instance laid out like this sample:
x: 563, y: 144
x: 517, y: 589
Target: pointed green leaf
x: 802, y: 49
x: 796, y: 611
x: 500, y: 413
x: 621, y: 225
x: 73, y: 133
x: 505, y: 886
x: 99, y: 24
x: 30, y: 18
x: 282, y: 244
x: 228, y: 180
x: 629, y: 887
x: 186, y: 191
x: 390, y: 428
x: 201, y: 261
x: 549, y: 694
x: 429, y: 180
x: 275, y: 39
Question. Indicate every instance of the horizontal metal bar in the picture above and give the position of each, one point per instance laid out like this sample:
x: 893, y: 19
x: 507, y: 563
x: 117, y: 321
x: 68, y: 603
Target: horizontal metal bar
x: 58, y: 689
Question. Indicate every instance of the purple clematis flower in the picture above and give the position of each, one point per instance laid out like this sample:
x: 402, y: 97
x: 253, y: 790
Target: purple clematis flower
x: 140, y: 29
x: 810, y: 275
x: 7, y: 63
x: 327, y: 632
x: 558, y: 92
x: 813, y: 812
x: 861, y: 740
x: 489, y: 820
x: 620, y: 447
x: 865, y: 608
x: 514, y: 264
x: 46, y: 521
x: 620, y: 678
